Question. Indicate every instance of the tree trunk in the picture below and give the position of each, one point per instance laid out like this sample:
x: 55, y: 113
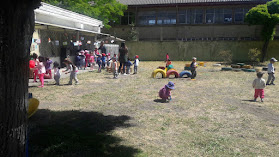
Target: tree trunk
x: 264, y: 50
x: 16, y: 28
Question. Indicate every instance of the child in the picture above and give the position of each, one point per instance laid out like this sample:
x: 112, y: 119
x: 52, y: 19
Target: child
x: 103, y: 60
x: 56, y: 72
x: 96, y: 53
x: 165, y: 92
x: 48, y: 68
x: 136, y: 64
x: 259, y: 85
x: 82, y: 60
x: 114, y: 68
x: 92, y: 61
x: 108, y: 59
x: 128, y: 65
x: 271, y: 71
x: 41, y: 70
x: 168, y: 62
x: 72, y: 70
x: 77, y: 60
x: 193, y: 67
x: 99, y: 62
x: 35, y: 71
x: 87, y: 58
x: 167, y: 57
x: 115, y: 56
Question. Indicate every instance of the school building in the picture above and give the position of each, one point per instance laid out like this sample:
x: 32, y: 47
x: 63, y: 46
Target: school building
x: 187, y: 28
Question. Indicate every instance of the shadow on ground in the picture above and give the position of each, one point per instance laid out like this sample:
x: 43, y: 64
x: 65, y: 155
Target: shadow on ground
x: 76, y: 134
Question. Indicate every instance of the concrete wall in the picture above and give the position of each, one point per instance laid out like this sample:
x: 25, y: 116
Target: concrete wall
x: 203, y: 50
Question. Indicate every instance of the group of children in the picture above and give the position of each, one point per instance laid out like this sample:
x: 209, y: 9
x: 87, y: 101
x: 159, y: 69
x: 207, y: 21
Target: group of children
x: 259, y: 83
x: 87, y: 58
x: 43, y: 66
x: 42, y: 70
x: 165, y: 92
x: 116, y: 71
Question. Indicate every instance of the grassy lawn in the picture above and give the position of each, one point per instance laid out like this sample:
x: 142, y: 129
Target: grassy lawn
x: 211, y: 116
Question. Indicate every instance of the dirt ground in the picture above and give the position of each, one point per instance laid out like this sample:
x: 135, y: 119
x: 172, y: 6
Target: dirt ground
x: 210, y: 116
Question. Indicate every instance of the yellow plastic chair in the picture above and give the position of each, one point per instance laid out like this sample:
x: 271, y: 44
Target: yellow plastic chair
x: 33, y: 106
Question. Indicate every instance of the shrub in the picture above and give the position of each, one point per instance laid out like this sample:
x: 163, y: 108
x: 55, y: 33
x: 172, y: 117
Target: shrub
x: 226, y: 56
x: 254, y: 55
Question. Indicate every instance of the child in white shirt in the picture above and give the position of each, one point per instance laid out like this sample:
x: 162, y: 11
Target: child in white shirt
x: 271, y: 71
x: 72, y: 70
x: 259, y: 85
x: 41, y: 70
x: 136, y: 64
x: 56, y: 72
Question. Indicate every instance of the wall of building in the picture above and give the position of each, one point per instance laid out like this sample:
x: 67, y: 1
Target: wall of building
x: 203, y: 50
x: 188, y: 32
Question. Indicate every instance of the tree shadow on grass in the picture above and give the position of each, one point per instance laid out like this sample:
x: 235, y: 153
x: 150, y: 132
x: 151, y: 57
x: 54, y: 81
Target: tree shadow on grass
x: 76, y: 134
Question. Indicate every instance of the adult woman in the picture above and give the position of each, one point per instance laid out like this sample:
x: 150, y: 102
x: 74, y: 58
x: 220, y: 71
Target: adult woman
x: 123, y: 57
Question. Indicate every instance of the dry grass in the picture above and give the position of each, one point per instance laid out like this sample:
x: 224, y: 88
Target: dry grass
x: 211, y: 116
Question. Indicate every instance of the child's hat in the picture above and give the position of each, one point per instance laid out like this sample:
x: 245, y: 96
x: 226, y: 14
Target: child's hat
x: 103, y: 54
x: 170, y: 85
x: 273, y: 59
x: 136, y: 56
x: 108, y: 54
x: 194, y: 58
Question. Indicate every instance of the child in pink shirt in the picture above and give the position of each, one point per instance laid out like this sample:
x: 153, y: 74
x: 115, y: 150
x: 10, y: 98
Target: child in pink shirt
x: 87, y: 58
x: 35, y: 71
x: 165, y: 92
x: 41, y: 71
x: 92, y: 61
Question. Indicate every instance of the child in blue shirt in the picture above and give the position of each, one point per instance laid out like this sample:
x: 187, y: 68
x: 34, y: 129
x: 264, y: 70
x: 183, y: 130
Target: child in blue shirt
x: 99, y: 62
x: 103, y: 60
x: 128, y: 65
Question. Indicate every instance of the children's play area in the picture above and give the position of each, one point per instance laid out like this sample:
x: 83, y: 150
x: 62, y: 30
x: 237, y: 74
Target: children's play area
x: 215, y: 113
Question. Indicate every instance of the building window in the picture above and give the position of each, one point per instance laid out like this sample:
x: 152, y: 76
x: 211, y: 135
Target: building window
x: 182, y: 14
x: 239, y: 14
x: 223, y: 15
x: 227, y: 15
x: 147, y: 18
x: 190, y: 16
x: 198, y: 16
x: 210, y: 17
x: 166, y: 17
x: 128, y: 18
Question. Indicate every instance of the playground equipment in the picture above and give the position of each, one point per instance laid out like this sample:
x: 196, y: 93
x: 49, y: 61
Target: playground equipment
x: 185, y: 73
x: 166, y: 72
x: 159, y: 70
x: 239, y: 67
x: 172, y: 72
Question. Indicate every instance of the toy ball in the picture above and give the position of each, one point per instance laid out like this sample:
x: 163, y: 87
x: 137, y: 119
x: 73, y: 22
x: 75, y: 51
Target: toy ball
x: 31, y: 64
